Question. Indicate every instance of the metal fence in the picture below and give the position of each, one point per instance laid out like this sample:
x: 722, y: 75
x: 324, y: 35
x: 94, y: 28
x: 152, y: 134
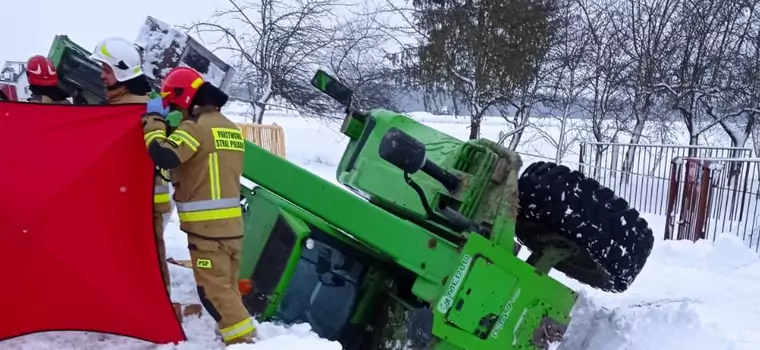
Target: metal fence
x: 641, y: 173
x: 710, y: 196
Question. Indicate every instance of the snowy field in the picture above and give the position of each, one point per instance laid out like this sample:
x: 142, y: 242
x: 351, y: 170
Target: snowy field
x: 697, y: 296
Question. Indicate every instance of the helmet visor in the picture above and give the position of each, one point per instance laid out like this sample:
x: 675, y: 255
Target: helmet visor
x: 169, y: 97
x: 166, y: 98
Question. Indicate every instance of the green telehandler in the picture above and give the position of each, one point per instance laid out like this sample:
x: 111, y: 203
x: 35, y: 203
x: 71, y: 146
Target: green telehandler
x: 421, y: 252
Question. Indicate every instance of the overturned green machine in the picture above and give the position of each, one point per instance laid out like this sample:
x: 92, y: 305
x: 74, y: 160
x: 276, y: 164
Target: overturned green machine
x: 420, y: 251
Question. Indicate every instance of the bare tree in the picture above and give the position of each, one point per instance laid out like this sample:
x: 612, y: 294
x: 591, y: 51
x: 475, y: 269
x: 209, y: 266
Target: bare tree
x: 360, y: 60
x: 702, y: 72
x: 528, y: 96
x: 518, y: 110
x: 277, y: 45
x: 571, y: 128
x: 567, y: 80
x: 605, y: 104
x: 749, y: 66
x: 645, y: 29
x: 737, y: 104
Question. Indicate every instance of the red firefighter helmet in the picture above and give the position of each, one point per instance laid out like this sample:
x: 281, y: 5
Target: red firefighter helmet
x: 40, y: 71
x: 180, y: 86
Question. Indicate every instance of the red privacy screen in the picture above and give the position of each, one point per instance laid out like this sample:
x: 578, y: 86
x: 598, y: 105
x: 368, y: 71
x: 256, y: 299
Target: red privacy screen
x: 76, y: 224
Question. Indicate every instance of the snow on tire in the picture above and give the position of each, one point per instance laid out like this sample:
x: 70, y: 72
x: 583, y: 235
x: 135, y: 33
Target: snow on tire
x: 614, y: 241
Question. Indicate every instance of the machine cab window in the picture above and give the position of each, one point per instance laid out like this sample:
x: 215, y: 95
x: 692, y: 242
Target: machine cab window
x: 323, y: 276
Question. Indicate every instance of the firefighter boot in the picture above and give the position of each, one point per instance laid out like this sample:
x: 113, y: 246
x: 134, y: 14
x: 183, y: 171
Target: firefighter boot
x: 248, y: 339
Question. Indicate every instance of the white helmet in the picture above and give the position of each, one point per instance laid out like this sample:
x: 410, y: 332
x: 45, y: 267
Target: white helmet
x: 121, y: 55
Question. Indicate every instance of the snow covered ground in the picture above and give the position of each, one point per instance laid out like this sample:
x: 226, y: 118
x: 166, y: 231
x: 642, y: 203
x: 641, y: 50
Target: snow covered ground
x: 698, y: 296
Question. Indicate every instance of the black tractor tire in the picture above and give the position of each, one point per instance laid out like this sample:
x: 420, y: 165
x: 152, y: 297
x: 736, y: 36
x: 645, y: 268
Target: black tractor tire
x: 612, y: 241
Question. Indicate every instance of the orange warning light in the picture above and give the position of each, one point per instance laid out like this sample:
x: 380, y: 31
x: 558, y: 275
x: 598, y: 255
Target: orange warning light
x: 245, y: 286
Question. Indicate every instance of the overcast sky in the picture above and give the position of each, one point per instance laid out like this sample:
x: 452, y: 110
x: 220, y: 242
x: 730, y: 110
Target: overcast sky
x: 29, y: 26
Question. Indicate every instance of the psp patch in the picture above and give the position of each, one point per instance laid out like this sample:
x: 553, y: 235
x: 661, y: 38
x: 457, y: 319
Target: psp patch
x: 203, y: 263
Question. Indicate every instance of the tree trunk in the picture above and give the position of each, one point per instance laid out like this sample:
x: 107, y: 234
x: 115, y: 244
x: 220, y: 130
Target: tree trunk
x: 475, y: 120
x: 258, y: 112
x: 630, y: 153
x: 515, y: 141
x: 475, y: 126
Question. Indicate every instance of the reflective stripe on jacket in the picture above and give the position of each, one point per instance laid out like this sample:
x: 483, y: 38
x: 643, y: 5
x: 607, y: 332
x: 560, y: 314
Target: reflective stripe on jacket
x: 161, y: 189
x: 207, y: 182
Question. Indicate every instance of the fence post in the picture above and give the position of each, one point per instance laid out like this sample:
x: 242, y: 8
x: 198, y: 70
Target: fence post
x: 705, y: 201
x: 614, y: 159
x: 580, y: 157
x: 675, y: 172
x: 688, y: 200
x: 696, y: 194
x: 700, y: 218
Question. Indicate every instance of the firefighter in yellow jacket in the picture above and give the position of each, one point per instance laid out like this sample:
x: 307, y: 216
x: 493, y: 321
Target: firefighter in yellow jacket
x: 125, y: 83
x: 205, y: 157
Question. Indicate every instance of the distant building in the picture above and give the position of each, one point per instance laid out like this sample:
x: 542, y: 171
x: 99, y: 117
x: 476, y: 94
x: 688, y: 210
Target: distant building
x: 13, y: 81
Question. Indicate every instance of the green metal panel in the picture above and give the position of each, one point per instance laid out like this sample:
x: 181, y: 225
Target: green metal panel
x: 302, y: 231
x: 62, y: 42
x: 475, y: 291
x: 259, y: 221
x: 304, y: 215
x: 362, y: 168
x: 509, y: 296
